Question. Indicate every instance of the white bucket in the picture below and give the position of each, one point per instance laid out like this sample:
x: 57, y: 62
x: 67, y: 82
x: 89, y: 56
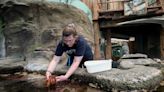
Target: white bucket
x: 94, y: 66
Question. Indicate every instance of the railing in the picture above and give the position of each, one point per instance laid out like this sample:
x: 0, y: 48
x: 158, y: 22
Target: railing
x: 112, y: 5
x: 125, y: 7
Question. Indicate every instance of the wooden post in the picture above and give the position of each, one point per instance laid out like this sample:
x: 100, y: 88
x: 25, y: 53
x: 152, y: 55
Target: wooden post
x: 162, y: 43
x: 96, y: 28
x: 97, y: 40
x: 96, y: 8
x: 108, y: 47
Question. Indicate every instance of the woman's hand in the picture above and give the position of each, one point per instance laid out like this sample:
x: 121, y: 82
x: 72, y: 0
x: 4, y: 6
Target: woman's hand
x: 50, y: 79
x: 61, y: 78
x: 48, y: 74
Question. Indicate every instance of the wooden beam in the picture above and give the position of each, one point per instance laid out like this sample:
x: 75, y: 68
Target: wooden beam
x: 128, y: 18
x: 162, y: 43
x: 108, y: 47
x: 108, y: 11
x: 96, y: 40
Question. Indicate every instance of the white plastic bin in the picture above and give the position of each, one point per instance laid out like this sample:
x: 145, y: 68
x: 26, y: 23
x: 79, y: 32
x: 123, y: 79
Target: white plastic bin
x: 94, y: 66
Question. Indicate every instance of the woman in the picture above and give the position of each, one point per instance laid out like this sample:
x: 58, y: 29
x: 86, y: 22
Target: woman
x: 77, y: 49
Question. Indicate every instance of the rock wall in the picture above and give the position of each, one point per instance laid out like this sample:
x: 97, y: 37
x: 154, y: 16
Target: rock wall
x: 33, y: 25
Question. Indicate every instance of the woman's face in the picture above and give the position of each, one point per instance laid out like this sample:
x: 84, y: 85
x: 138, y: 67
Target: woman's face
x: 69, y: 40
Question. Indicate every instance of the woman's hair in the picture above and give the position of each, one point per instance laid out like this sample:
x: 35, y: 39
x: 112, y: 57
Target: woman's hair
x: 70, y: 29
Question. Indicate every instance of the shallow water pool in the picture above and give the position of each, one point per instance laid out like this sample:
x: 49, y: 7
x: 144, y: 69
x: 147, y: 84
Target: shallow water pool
x: 37, y: 83
x: 21, y: 83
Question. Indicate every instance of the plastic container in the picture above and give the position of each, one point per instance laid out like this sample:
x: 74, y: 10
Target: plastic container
x: 94, y: 66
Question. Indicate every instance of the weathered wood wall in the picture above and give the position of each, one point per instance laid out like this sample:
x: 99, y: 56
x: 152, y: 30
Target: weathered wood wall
x: 162, y: 43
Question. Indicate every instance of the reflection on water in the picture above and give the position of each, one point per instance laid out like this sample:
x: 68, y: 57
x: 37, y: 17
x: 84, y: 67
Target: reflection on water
x: 19, y: 83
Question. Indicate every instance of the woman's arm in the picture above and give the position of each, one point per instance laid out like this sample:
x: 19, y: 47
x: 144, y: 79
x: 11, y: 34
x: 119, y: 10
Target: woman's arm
x: 72, y: 69
x: 52, y: 65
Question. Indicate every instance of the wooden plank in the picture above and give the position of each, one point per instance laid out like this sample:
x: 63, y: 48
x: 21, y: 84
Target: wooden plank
x: 162, y: 44
x: 104, y: 5
x: 110, y: 1
x: 110, y: 11
x: 115, y: 5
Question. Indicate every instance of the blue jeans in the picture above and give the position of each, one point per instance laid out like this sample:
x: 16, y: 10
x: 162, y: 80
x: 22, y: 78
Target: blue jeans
x: 69, y: 61
x: 71, y: 58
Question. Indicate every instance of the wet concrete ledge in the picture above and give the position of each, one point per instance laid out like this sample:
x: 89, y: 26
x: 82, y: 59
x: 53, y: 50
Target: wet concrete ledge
x: 137, y: 78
